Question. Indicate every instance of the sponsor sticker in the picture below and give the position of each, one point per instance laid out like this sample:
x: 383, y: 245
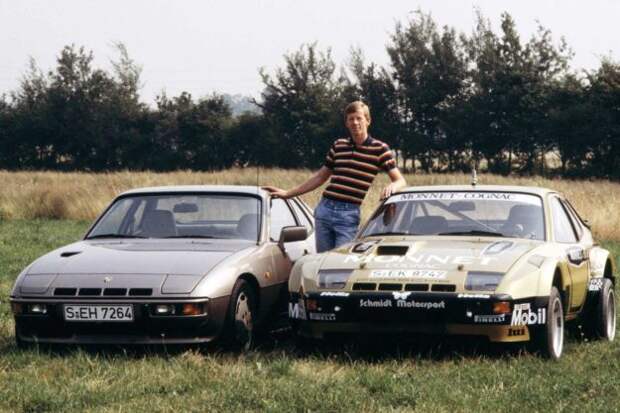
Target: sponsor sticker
x: 425, y: 305
x: 323, y: 316
x: 523, y: 315
x: 422, y: 262
x: 474, y: 296
x: 334, y: 294
x: 490, y: 318
x: 425, y: 274
x: 297, y: 310
x: 375, y: 303
x: 595, y: 284
x: 461, y: 196
x: 515, y: 332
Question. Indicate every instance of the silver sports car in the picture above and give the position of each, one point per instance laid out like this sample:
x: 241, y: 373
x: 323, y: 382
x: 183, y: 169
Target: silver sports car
x: 183, y: 264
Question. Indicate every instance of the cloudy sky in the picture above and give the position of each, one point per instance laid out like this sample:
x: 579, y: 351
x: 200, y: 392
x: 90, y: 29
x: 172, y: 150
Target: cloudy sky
x: 203, y: 46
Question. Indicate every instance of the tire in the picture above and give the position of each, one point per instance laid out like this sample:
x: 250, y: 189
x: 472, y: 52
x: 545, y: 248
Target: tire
x: 241, y: 317
x: 604, y: 317
x: 550, y: 337
x: 21, y: 344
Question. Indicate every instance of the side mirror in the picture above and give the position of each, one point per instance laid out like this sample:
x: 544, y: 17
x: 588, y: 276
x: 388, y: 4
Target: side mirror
x: 587, y: 224
x: 292, y: 234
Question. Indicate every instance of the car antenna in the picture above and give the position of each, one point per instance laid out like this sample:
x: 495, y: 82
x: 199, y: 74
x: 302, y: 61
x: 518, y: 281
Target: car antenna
x: 474, y: 176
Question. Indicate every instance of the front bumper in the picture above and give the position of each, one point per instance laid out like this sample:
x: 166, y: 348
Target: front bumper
x: 318, y: 313
x: 144, y: 329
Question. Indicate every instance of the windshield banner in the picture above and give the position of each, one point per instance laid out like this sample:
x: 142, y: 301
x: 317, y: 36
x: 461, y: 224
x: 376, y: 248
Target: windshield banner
x: 466, y: 196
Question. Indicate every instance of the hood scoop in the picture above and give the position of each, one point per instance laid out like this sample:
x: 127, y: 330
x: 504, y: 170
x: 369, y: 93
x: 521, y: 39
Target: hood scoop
x: 392, y: 250
x: 67, y: 254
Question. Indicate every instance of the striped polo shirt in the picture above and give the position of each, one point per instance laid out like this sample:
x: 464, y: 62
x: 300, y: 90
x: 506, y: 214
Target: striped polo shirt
x: 355, y: 167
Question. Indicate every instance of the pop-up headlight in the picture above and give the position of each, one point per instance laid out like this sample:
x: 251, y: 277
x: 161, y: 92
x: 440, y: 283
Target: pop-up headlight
x: 333, y: 278
x: 483, y: 280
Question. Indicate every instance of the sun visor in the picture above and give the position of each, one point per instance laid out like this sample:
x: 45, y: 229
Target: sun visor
x: 180, y: 284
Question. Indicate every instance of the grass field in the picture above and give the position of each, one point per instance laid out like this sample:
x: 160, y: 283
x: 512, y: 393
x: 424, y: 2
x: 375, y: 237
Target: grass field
x: 82, y: 196
x: 433, y: 375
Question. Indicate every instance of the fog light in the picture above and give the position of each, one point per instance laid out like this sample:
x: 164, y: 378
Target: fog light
x: 164, y: 309
x: 37, y: 308
x: 501, y: 307
x: 17, y: 308
x: 193, y: 309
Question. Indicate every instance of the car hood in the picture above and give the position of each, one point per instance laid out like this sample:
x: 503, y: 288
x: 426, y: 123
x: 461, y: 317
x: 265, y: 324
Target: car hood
x: 451, y: 257
x: 174, y: 266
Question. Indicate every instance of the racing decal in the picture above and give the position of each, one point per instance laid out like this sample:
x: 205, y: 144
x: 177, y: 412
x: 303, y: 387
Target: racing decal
x: 401, y: 296
x: 400, y: 301
x: 426, y: 305
x: 334, y: 294
x: 490, y: 318
x: 523, y: 315
x: 471, y: 196
x: 375, y: 303
x: 515, y: 332
x: 322, y: 316
x: 425, y: 274
x: 474, y: 296
x: 297, y: 310
x: 421, y: 261
x: 595, y: 284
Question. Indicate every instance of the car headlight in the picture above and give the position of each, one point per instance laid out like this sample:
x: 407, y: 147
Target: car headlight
x: 483, y: 280
x: 333, y: 278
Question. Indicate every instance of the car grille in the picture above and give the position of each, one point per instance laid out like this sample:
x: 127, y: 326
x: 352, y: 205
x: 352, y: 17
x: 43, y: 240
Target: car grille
x: 107, y: 292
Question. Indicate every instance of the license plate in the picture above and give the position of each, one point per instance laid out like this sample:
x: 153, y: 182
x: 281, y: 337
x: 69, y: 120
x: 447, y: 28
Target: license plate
x: 424, y: 274
x: 98, y: 312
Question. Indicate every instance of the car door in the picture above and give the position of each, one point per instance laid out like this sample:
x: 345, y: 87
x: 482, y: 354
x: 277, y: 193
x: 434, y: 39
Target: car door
x: 281, y: 216
x: 566, y: 235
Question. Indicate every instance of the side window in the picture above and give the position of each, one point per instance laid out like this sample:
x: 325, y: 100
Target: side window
x: 562, y: 226
x: 281, y: 217
x: 573, y: 218
x: 302, y: 216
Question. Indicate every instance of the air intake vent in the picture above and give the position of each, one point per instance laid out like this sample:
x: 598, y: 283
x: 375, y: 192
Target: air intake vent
x: 69, y: 253
x: 416, y: 287
x: 90, y: 291
x: 444, y: 287
x: 390, y: 287
x: 365, y: 286
x: 392, y: 250
x: 140, y: 291
x: 117, y: 292
x: 65, y: 291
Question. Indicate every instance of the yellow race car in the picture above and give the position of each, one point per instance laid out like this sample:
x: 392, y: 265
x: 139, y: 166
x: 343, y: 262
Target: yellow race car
x: 506, y: 262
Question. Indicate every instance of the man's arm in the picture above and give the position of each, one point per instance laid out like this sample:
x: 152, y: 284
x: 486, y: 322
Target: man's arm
x: 314, y: 182
x: 398, y: 182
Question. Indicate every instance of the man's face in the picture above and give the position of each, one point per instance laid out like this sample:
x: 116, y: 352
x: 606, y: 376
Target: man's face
x: 357, y: 123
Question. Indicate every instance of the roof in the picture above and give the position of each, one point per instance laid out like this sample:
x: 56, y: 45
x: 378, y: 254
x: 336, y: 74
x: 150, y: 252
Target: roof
x: 246, y: 189
x: 535, y: 190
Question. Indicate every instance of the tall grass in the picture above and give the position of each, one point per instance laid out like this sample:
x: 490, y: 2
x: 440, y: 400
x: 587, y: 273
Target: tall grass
x: 82, y: 196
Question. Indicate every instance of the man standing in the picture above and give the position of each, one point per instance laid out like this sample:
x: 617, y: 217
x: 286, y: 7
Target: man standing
x: 352, y: 163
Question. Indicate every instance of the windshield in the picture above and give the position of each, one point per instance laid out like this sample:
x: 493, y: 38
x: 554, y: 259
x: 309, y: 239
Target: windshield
x: 181, y: 216
x: 504, y: 214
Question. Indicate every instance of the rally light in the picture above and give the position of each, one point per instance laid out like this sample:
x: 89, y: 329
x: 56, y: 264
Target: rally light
x: 482, y: 280
x: 334, y: 278
x: 501, y: 307
x: 37, y: 308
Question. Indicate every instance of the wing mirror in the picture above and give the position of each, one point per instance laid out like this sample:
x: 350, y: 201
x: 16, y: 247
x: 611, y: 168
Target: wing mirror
x: 587, y: 223
x: 292, y: 234
x: 576, y: 255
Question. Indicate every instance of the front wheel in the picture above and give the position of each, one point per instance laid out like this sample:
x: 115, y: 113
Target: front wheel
x: 241, y: 316
x: 550, y: 339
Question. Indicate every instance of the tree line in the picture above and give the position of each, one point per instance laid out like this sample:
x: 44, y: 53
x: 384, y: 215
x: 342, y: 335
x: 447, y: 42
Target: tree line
x: 447, y: 101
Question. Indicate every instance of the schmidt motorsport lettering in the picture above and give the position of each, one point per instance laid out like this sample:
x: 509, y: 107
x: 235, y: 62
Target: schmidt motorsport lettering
x: 400, y: 301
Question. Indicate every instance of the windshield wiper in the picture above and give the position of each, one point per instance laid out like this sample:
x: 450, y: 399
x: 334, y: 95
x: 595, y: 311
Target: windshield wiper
x: 114, y: 236
x: 190, y: 236
x: 474, y: 232
x: 388, y: 233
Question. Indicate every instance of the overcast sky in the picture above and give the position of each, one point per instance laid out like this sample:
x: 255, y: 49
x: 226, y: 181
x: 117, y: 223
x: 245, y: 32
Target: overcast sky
x: 204, y: 46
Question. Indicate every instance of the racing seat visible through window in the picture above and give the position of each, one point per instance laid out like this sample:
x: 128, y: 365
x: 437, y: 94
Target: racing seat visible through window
x: 432, y: 224
x: 158, y: 224
x: 524, y: 221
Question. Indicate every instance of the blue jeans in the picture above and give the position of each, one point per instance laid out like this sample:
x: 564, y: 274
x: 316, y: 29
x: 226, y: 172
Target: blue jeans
x: 336, y: 223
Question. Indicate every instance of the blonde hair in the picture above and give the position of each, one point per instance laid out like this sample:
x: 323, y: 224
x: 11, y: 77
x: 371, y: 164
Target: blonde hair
x: 356, y: 106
